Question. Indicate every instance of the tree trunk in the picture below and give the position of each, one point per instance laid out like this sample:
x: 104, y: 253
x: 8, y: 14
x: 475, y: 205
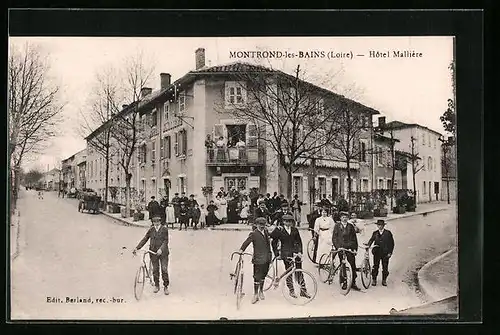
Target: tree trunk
x: 448, y: 189
x: 289, y: 186
x: 393, y: 174
x: 127, y: 194
x: 106, y: 181
x: 414, y: 185
x: 348, y: 161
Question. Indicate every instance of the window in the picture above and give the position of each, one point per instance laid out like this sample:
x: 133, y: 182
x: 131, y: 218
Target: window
x: 429, y: 139
x: 379, y: 155
x: 423, y: 163
x: 251, y: 132
x: 162, y: 148
x: 434, y: 142
x: 235, y: 93
x: 297, y: 187
x: 182, y: 184
x: 176, y: 144
x: 322, y: 186
x: 182, y: 142
x: 182, y: 102
x: 320, y: 108
x: 166, y: 147
x: 166, y: 111
x: 435, y: 166
x: 142, y: 154
x: 423, y: 139
x: 153, y: 119
x: 322, y: 149
x: 429, y: 163
x: 389, y: 183
x: 364, y: 185
x: 362, y: 151
x: 381, y: 184
x: 395, y: 184
x: 153, y: 151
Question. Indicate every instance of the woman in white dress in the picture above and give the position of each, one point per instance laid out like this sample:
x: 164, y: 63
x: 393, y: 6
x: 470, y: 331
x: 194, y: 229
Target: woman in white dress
x: 223, y: 208
x: 323, y: 226
x: 217, y: 204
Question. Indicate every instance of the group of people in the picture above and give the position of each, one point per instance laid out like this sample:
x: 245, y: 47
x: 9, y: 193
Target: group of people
x: 342, y: 233
x: 181, y: 210
x: 218, y: 149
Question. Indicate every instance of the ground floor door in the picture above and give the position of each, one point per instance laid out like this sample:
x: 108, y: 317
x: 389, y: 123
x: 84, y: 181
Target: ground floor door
x: 238, y: 183
x: 166, y: 187
x: 436, y: 189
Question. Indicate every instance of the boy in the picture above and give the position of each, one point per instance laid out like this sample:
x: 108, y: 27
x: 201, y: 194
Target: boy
x: 195, y: 216
x: 183, y: 216
x: 291, y: 246
x: 158, y: 237
x: 261, y: 256
x: 385, y: 242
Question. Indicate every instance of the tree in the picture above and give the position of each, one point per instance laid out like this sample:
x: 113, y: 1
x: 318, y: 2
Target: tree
x: 33, y: 176
x: 126, y: 132
x: 291, y: 116
x: 33, y: 105
x: 449, y: 116
x: 104, y: 102
x: 415, y: 166
x: 352, y: 126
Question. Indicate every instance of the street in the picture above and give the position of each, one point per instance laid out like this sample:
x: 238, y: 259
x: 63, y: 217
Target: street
x: 72, y: 254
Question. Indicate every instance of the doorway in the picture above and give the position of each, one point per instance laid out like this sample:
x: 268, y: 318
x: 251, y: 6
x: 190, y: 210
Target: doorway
x: 436, y: 190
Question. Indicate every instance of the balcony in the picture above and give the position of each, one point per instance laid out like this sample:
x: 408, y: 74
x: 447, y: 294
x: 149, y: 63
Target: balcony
x: 235, y: 157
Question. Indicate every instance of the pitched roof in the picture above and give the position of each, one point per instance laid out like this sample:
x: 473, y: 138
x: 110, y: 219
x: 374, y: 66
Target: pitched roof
x: 402, y: 125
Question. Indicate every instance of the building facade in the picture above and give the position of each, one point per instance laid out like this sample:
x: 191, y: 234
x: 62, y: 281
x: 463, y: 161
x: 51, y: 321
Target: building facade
x: 51, y: 179
x: 427, y: 147
x: 74, y: 170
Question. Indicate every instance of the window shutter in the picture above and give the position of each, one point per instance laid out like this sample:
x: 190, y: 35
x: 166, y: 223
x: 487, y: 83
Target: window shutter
x: 251, y: 135
x: 176, y: 144
x: 184, y: 142
x: 168, y: 147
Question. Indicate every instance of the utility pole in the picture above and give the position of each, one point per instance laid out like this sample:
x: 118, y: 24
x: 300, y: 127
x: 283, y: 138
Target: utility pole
x: 413, y: 160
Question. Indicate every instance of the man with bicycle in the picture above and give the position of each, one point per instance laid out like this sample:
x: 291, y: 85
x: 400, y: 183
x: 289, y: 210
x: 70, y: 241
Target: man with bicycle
x: 158, y: 243
x: 261, y: 256
x: 291, y: 246
x: 344, y: 236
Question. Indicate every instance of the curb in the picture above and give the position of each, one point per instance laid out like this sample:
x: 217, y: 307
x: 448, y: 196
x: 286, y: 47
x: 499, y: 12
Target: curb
x: 404, y: 216
x: 423, y: 285
x: 122, y: 221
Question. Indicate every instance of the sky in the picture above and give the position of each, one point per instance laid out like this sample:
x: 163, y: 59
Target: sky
x: 411, y: 89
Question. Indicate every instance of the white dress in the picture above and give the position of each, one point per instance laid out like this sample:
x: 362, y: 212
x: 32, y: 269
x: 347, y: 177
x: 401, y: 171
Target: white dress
x: 324, y: 227
x: 223, y: 208
x: 218, y: 212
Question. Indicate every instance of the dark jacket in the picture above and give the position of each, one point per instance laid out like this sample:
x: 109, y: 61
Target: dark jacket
x: 153, y: 208
x: 261, y: 246
x: 290, y: 243
x: 296, y: 202
x: 191, y: 203
x: 196, y: 213
x: 157, y: 240
x: 184, y: 200
x: 325, y: 203
x: 211, y: 209
x: 384, y: 241
x: 260, y: 213
x: 344, y: 238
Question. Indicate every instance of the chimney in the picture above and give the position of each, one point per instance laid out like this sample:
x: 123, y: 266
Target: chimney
x: 200, y: 58
x: 145, y: 91
x: 165, y: 80
x: 381, y: 121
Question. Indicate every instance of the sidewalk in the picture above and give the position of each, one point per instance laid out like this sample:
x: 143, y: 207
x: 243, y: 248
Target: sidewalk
x: 422, y: 209
x: 14, y: 234
x: 437, y: 279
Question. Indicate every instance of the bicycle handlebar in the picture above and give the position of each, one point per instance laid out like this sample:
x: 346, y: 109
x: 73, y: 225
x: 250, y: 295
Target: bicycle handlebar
x: 343, y: 249
x: 241, y: 253
x: 366, y: 247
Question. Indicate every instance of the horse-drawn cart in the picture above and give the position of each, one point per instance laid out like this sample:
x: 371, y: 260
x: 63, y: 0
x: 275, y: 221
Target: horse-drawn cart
x: 89, y: 201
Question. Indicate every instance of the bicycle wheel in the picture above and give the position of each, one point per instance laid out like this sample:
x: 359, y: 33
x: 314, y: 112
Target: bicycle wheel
x: 366, y: 276
x: 310, y: 250
x: 236, y: 277
x: 345, y: 277
x: 139, y: 283
x: 299, y: 287
x: 239, y: 291
x: 150, y: 273
x: 325, y: 268
x: 269, y: 280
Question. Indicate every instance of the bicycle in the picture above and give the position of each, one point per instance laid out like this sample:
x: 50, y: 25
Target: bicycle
x: 144, y: 272
x: 327, y: 269
x: 366, y: 270
x: 311, y: 245
x: 238, y: 277
x: 296, y: 277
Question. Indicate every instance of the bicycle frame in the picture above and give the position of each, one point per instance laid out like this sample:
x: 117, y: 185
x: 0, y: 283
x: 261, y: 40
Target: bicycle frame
x: 148, y: 271
x: 276, y: 278
x: 342, y: 253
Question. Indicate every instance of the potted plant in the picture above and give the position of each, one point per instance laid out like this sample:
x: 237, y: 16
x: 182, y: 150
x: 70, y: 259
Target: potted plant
x: 367, y: 209
x: 113, y: 207
x: 410, y: 202
x: 400, y: 207
x: 380, y: 204
x: 138, y: 215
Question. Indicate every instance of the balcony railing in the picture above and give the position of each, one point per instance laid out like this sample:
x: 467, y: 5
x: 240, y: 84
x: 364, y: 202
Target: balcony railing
x: 235, y: 156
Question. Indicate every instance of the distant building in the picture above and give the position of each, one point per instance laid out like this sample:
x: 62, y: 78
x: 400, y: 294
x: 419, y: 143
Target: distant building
x: 51, y: 179
x: 427, y: 146
x: 73, y: 170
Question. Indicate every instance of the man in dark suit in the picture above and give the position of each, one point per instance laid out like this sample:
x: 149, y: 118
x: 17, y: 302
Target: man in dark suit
x: 158, y: 243
x: 190, y: 205
x: 291, y: 246
x: 385, y: 242
x: 153, y: 208
x: 344, y: 236
x: 262, y: 211
x: 163, y: 209
x: 261, y: 256
x: 176, y: 201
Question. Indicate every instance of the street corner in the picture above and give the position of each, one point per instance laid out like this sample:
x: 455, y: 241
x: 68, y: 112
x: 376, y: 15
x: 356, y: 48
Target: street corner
x: 438, y: 279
